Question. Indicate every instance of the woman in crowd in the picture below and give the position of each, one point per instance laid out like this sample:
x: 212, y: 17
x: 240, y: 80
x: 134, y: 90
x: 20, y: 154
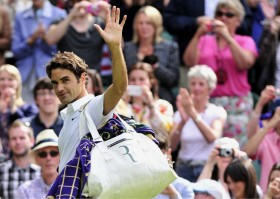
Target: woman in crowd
x: 143, y: 102
x: 12, y: 106
x: 148, y: 46
x: 273, y: 189
x: 241, y: 179
x: 197, y: 123
x: 230, y: 56
x: 222, y: 154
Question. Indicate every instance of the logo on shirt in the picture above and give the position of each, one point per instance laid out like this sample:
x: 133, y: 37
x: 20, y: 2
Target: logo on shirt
x: 74, y: 118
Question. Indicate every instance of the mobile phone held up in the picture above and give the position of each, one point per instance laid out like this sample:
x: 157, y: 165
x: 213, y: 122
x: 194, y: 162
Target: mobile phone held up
x: 134, y: 90
x: 93, y: 9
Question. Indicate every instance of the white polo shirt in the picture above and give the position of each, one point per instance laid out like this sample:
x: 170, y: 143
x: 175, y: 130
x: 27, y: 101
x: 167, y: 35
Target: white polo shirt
x: 69, y: 137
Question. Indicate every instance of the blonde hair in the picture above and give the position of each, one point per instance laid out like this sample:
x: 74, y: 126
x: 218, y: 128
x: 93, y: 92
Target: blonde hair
x: 155, y: 18
x: 14, y: 72
x: 234, y: 5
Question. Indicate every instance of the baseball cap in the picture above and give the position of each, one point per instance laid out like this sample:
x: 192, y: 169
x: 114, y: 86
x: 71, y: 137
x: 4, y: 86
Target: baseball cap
x: 208, y: 186
x: 45, y: 138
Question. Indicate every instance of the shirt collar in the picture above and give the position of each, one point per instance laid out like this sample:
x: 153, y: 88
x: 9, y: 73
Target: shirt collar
x: 46, y: 11
x: 76, y: 105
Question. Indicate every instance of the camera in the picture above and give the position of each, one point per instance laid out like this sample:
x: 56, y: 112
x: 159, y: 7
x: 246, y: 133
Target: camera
x: 226, y: 152
x: 134, y: 90
x: 150, y: 59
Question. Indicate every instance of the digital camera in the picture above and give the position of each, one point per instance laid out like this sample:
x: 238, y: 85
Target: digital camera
x: 226, y: 152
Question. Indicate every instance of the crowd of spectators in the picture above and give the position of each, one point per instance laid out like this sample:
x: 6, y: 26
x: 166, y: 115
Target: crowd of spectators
x: 205, y: 75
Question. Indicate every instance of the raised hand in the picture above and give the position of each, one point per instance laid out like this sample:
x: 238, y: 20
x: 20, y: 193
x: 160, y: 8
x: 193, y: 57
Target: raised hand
x: 112, y: 34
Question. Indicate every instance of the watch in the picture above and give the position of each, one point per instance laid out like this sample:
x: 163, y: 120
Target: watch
x: 198, y: 119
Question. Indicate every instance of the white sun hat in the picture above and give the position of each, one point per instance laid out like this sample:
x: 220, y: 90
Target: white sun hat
x: 45, y: 138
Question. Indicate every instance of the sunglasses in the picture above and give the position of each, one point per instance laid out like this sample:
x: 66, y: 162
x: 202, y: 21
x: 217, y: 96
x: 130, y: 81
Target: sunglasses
x: 44, y: 154
x: 227, y: 14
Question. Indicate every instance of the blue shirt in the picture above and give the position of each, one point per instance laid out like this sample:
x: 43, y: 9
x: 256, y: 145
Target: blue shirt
x: 33, y: 57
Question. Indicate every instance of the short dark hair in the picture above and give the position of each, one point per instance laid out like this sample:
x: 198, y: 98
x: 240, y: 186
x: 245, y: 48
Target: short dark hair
x: 69, y: 61
x: 43, y: 83
x: 275, y: 167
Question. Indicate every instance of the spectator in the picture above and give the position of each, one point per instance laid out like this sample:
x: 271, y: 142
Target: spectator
x: 208, y: 189
x: 48, y: 104
x: 143, y: 102
x: 182, y: 17
x: 266, y: 69
x: 148, y: 46
x: 230, y: 56
x: 94, y: 85
x: 77, y: 34
x: 273, y: 190
x: 262, y: 12
x: 241, y: 179
x: 12, y: 106
x: 264, y: 143
x: 222, y: 154
x: 5, y: 32
x: 29, y: 45
x: 19, y: 169
x: 45, y: 152
x: 197, y: 123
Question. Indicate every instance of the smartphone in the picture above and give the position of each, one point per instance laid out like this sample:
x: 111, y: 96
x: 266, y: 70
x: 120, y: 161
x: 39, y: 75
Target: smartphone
x: 93, y: 9
x: 134, y: 90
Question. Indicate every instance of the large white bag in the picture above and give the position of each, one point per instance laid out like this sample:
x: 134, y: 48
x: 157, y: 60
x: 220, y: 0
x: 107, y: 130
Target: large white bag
x: 130, y: 165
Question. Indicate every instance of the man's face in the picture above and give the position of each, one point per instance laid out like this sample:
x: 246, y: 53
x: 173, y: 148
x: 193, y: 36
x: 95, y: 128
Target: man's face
x: 66, y: 86
x: 48, y: 159
x: 47, y: 101
x: 19, y: 141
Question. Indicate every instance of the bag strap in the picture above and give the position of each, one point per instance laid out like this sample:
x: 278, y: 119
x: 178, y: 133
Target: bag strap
x: 86, y: 121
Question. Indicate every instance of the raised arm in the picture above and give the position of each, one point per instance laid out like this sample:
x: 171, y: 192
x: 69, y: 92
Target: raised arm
x: 112, y: 35
x: 57, y: 31
x: 266, y: 95
x: 191, y: 53
x: 253, y: 143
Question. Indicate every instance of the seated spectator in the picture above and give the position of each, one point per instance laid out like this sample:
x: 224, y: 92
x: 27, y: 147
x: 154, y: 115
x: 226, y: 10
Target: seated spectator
x: 273, y: 190
x: 12, y: 106
x: 29, y: 46
x: 241, y: 179
x: 94, y: 84
x: 222, y: 154
x: 197, y: 123
x: 45, y: 152
x: 149, y: 46
x: 230, y: 55
x: 5, y: 32
x: 47, y: 102
x: 142, y: 100
x: 264, y: 143
x: 19, y: 169
x: 179, y: 188
x: 208, y: 189
x: 76, y: 33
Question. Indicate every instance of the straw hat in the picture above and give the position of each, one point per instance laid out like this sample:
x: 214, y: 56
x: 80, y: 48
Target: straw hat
x: 45, y: 138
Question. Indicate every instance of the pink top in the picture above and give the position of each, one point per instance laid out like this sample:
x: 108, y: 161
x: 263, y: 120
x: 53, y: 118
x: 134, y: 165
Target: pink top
x: 268, y: 154
x: 236, y: 83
